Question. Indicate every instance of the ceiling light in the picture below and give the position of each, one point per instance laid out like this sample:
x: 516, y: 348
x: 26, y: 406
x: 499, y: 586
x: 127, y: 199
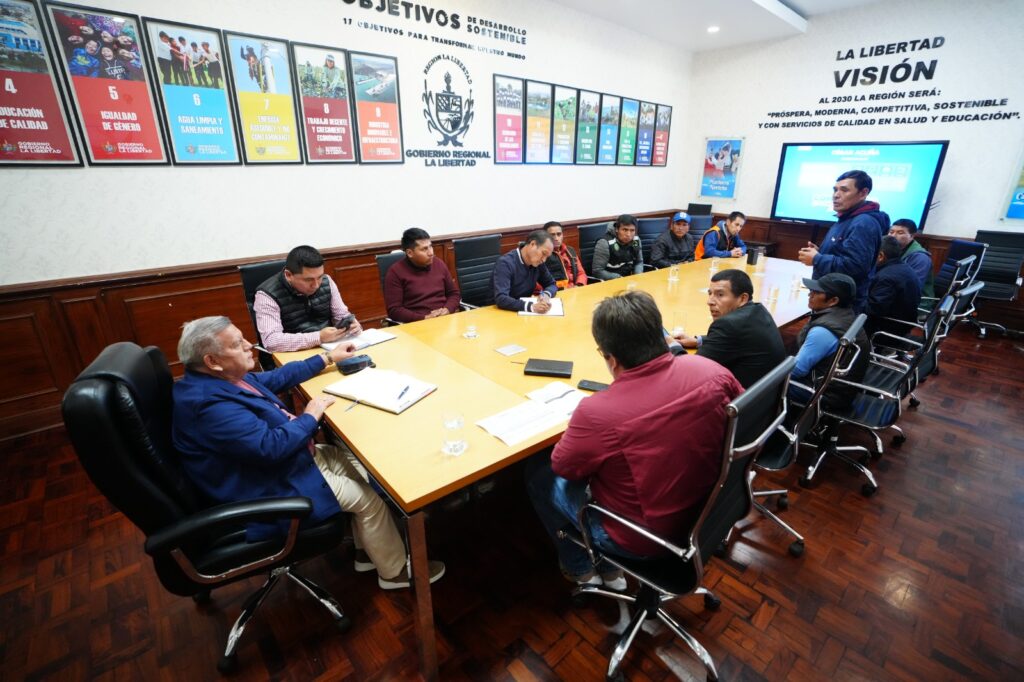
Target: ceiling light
x: 713, y: 29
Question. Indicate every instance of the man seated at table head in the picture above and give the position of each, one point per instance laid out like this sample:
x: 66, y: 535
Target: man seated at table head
x: 831, y: 298
x: 676, y: 244
x: 419, y: 286
x: 563, y: 263
x: 723, y: 240
x: 300, y: 307
x: 914, y: 255
x: 618, y: 253
x: 743, y: 337
x: 517, y: 274
x: 238, y: 442
x: 894, y: 293
x: 649, y: 447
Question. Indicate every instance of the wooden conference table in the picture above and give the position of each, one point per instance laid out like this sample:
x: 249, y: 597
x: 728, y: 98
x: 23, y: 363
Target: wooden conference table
x: 403, y: 452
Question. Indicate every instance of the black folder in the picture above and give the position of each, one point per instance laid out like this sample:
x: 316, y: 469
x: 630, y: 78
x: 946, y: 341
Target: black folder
x: 548, y: 368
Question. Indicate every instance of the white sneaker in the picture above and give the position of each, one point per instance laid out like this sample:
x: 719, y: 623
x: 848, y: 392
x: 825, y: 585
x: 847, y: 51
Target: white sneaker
x: 362, y: 562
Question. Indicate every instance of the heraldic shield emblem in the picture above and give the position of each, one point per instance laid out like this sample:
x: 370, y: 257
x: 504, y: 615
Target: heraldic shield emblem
x: 446, y: 111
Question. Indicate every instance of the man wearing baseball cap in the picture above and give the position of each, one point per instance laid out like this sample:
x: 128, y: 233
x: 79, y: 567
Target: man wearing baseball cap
x: 831, y: 298
x: 676, y: 244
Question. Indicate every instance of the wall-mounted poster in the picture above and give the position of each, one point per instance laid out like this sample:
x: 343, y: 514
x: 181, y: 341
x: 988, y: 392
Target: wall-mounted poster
x: 1015, y: 209
x: 101, y: 58
x: 325, y: 103
x: 645, y: 134
x: 34, y: 128
x: 262, y: 80
x: 609, y: 139
x: 587, y: 126
x: 721, y: 164
x: 662, y: 124
x: 563, y: 135
x: 627, y: 132
x: 538, y: 122
x: 194, y: 92
x: 508, y: 119
x: 378, y: 114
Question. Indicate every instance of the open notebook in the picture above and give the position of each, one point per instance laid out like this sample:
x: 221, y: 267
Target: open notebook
x: 382, y: 388
x: 369, y: 337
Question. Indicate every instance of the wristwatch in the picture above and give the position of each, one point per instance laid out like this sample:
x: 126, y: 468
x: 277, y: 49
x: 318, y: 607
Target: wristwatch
x: 328, y: 361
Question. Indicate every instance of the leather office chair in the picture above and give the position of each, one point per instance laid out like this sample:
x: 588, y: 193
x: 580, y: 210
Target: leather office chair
x: 962, y: 248
x: 384, y: 262
x: 118, y: 417
x: 751, y: 420
x: 699, y: 224
x: 253, y: 275
x: 589, y: 234
x: 954, y: 274
x: 649, y: 229
x: 1000, y: 271
x: 474, y: 262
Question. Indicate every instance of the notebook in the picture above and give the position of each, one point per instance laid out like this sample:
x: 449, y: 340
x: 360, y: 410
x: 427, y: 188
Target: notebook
x: 557, y: 310
x: 369, y: 337
x: 384, y: 389
x: 548, y: 368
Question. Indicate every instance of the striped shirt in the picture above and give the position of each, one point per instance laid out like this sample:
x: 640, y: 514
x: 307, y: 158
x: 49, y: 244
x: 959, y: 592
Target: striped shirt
x: 272, y: 334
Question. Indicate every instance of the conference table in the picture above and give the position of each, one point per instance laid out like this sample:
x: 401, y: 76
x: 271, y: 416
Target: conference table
x: 403, y: 452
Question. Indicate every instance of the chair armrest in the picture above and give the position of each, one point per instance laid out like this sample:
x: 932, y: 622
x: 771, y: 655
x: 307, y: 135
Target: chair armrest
x: 793, y: 382
x: 467, y: 306
x: 901, y: 339
x: 869, y: 389
x: 639, y: 530
x: 888, y: 363
x: 647, y: 267
x: 388, y: 322
x: 592, y: 280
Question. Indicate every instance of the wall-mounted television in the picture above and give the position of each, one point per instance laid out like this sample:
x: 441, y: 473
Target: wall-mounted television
x: 904, y: 175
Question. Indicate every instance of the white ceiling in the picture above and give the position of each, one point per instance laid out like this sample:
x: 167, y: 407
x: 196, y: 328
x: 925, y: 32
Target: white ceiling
x: 685, y: 22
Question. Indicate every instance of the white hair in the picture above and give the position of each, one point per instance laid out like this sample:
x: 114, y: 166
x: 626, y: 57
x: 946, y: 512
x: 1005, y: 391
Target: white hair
x: 199, y: 338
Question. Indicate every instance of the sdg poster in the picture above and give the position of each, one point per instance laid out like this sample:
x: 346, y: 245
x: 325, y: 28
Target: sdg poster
x: 379, y: 122
x: 587, y: 127
x: 563, y: 136
x: 508, y: 119
x: 325, y: 103
x: 721, y: 163
x: 609, y: 130
x: 263, y: 93
x: 101, y: 56
x: 34, y: 129
x: 663, y: 122
x: 194, y: 93
x: 538, y: 122
x: 645, y: 134
x: 627, y: 132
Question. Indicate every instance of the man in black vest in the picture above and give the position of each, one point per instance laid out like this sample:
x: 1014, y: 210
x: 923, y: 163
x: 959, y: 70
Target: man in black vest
x: 618, y: 253
x: 299, y: 307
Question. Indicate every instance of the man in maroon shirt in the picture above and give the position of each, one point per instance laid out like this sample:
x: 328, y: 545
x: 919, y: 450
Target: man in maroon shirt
x: 649, y: 447
x: 419, y: 287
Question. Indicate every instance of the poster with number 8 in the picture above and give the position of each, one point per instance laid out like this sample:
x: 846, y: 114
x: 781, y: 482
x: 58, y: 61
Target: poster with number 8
x: 193, y: 90
x: 262, y: 78
x: 325, y: 100
x: 100, y: 55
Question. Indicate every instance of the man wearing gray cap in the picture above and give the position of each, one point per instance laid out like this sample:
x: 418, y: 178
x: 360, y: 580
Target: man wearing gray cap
x: 676, y: 244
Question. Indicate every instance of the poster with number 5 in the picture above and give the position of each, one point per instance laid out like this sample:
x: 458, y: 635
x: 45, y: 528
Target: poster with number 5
x: 100, y: 55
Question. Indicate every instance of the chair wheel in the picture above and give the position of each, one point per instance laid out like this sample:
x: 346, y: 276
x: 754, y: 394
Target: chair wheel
x: 935, y: 370
x: 914, y: 402
x: 805, y: 482
x: 782, y: 503
x: 344, y: 624
x: 712, y: 602
x: 202, y: 597
x: 867, y: 490
x: 720, y: 550
x: 227, y: 664
x: 796, y: 548
x: 616, y: 677
x: 898, y: 440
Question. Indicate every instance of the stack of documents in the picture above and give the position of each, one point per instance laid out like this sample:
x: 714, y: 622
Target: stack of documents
x: 369, y: 337
x: 557, y: 310
x: 546, y: 408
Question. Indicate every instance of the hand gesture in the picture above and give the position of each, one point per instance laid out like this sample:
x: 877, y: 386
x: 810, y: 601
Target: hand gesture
x: 317, y: 405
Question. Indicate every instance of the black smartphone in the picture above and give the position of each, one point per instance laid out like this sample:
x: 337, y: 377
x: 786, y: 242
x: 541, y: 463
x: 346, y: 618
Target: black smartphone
x: 588, y: 385
x: 347, y: 321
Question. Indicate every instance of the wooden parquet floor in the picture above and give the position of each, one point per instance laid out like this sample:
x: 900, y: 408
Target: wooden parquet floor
x: 924, y: 581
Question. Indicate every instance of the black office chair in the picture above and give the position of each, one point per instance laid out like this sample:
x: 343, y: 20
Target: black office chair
x: 649, y: 229
x: 589, y: 234
x: 253, y: 275
x: 384, y: 262
x: 751, y: 420
x: 962, y: 248
x: 1000, y: 271
x: 954, y: 274
x: 699, y: 224
x: 474, y: 262
x: 118, y: 417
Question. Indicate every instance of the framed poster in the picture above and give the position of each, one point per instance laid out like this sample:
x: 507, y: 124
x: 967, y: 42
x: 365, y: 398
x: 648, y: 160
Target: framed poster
x: 721, y: 164
x: 101, y: 59
x: 662, y: 124
x: 325, y: 103
x: 563, y: 134
x: 193, y: 92
x: 378, y: 110
x: 587, y: 127
x: 645, y: 134
x: 34, y: 126
x: 508, y: 119
x: 609, y: 140
x: 627, y: 132
x: 538, y: 122
x: 262, y: 80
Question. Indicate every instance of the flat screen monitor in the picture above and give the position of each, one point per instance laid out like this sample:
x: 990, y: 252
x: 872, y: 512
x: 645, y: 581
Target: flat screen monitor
x: 903, y: 175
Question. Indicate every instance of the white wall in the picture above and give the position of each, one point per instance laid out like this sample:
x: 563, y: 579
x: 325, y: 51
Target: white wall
x: 74, y: 222
x: 732, y: 90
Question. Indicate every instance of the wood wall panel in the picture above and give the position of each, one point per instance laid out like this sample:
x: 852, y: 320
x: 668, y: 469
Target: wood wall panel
x: 85, y: 318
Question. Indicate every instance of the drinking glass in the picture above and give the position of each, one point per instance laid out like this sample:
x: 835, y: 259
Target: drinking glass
x: 470, y: 332
x: 454, y: 439
x: 673, y: 273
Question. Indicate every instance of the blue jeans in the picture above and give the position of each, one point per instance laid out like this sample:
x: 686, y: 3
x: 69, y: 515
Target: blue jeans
x: 557, y: 502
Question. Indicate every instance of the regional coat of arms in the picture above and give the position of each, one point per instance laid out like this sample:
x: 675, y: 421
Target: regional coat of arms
x: 447, y: 112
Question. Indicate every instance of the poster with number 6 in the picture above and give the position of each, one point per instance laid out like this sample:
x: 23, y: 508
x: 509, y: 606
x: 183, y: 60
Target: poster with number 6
x: 194, y: 92
x: 100, y: 56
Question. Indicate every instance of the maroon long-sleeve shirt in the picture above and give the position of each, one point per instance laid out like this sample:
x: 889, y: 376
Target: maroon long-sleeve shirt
x: 411, y: 293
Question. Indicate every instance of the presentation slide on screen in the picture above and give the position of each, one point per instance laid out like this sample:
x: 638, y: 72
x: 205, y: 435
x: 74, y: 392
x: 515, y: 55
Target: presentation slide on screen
x: 901, y: 173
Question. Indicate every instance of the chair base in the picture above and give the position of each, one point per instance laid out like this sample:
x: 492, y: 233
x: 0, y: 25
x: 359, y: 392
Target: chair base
x: 796, y: 548
x: 831, y: 448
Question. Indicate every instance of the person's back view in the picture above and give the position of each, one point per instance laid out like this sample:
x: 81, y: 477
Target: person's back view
x: 895, y: 291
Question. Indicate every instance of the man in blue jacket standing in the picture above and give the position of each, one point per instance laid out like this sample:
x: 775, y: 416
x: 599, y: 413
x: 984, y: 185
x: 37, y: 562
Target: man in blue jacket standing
x: 851, y: 245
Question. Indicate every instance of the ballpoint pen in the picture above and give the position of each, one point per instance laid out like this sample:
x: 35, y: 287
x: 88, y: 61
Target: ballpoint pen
x: 354, y: 403
x: 403, y: 392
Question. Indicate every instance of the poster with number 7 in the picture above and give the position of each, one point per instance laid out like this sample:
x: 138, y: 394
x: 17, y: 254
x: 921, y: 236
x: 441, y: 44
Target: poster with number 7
x: 262, y: 78
x: 193, y: 91
x: 100, y: 55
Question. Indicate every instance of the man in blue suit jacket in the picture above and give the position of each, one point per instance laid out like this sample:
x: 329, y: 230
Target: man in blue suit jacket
x: 239, y: 442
